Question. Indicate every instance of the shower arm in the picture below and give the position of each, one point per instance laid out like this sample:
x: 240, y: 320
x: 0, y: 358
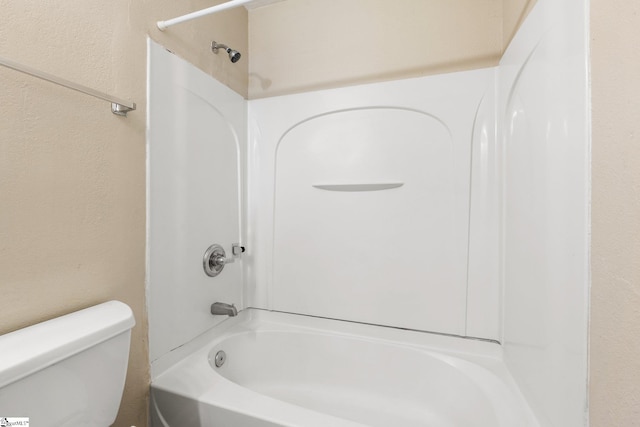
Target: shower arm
x: 163, y: 25
x: 215, y: 46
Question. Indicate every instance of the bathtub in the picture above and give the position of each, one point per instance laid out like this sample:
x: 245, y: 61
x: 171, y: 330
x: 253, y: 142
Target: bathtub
x: 298, y: 371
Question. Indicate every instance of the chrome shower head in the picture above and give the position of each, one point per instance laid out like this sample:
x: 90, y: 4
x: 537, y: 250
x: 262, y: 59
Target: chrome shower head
x: 234, y: 55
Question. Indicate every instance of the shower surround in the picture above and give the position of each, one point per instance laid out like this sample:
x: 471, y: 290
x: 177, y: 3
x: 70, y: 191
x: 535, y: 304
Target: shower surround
x: 416, y: 213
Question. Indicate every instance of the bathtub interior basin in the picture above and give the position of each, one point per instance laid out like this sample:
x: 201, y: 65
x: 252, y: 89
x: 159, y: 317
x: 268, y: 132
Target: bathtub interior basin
x: 288, y: 370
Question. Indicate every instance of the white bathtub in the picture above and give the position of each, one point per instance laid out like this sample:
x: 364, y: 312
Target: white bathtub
x: 288, y: 370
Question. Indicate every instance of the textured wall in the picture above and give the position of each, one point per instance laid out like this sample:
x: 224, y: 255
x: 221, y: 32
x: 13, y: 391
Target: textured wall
x: 72, y: 175
x: 308, y: 44
x: 615, y: 289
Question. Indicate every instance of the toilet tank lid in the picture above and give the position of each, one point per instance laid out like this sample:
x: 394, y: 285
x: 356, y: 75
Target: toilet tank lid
x: 33, y: 348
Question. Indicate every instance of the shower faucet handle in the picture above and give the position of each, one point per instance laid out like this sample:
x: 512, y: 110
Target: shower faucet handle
x: 215, y: 258
x: 237, y: 250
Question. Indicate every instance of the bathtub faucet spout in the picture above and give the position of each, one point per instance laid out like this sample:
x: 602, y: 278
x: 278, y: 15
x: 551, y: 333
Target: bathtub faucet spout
x: 223, y: 309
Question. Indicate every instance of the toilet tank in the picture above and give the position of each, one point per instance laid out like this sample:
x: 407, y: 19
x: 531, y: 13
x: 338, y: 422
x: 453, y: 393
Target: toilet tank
x: 68, y: 371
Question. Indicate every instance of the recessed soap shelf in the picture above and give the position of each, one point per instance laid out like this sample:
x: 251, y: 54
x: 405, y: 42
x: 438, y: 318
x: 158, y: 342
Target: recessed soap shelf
x: 358, y: 187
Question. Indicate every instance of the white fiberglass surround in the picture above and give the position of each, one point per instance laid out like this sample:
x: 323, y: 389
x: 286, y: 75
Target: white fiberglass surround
x: 197, y: 129
x: 361, y: 201
x: 544, y: 117
x: 288, y: 370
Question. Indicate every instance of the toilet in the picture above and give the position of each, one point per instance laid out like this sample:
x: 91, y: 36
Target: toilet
x: 68, y: 371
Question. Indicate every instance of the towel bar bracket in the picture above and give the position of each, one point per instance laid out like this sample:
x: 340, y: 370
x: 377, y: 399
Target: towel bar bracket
x: 121, y: 110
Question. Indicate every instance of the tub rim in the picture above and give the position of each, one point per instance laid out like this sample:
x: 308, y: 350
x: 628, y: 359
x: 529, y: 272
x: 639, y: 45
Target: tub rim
x: 194, y: 356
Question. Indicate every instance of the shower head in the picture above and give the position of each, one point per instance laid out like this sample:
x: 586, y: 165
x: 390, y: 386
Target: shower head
x: 234, y: 55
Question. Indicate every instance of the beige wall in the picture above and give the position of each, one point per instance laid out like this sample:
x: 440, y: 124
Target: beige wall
x: 301, y: 45
x: 514, y: 13
x: 72, y: 175
x: 615, y: 257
